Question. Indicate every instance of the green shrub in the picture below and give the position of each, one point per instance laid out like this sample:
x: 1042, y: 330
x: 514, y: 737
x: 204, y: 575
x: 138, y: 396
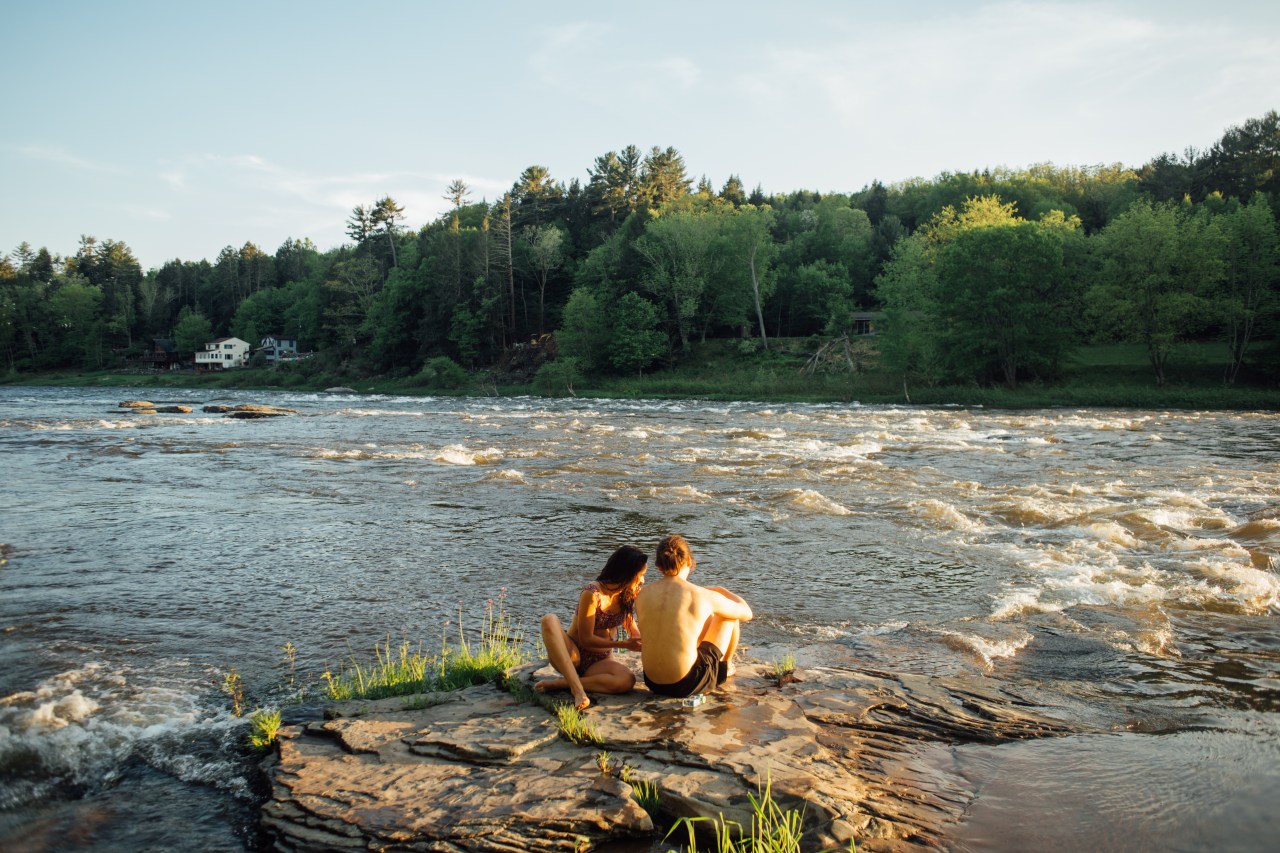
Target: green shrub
x: 442, y: 372
x: 557, y: 378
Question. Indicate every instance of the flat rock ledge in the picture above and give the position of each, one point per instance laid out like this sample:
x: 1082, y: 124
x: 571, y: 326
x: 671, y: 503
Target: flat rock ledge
x: 480, y: 770
x: 249, y: 411
x: 145, y: 407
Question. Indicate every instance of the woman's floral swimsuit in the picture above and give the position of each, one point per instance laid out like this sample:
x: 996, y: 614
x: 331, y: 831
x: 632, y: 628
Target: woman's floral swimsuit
x: 605, y: 621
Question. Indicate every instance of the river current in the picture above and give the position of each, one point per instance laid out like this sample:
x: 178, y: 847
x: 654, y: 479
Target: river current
x: 1116, y: 565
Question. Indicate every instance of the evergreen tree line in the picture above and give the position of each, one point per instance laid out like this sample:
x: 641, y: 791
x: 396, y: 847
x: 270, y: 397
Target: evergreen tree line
x: 988, y: 277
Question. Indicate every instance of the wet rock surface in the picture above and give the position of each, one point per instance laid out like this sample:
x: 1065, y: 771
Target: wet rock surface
x: 248, y: 411
x: 480, y: 770
x: 145, y: 407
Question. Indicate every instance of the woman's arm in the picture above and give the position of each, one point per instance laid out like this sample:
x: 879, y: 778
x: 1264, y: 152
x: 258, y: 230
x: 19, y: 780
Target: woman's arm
x: 633, y: 632
x: 583, y: 629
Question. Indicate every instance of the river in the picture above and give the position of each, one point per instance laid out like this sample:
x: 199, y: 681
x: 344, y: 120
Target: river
x: 1118, y: 564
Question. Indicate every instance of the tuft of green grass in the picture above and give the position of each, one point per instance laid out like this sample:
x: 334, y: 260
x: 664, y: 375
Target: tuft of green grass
x: 461, y: 663
x: 575, y: 727
x: 499, y: 648
x: 264, y: 726
x: 393, y: 673
x: 645, y: 793
x: 784, y: 669
x: 773, y: 829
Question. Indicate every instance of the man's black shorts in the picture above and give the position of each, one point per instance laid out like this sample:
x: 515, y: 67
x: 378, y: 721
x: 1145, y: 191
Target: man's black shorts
x: 708, y: 673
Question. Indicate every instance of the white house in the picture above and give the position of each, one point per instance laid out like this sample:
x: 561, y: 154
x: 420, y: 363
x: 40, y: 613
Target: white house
x: 277, y: 347
x: 223, y: 353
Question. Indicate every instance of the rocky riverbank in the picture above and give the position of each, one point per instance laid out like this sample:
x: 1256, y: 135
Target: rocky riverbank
x: 482, y: 770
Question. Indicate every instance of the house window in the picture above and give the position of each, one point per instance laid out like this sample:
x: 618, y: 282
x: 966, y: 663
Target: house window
x: 228, y: 356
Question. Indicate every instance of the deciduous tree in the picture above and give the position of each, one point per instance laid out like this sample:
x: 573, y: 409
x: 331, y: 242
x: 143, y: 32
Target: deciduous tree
x: 191, y: 333
x: 636, y: 342
x: 1158, y: 265
x: 584, y: 331
x: 1251, y: 278
x: 678, y: 249
x: 546, y: 251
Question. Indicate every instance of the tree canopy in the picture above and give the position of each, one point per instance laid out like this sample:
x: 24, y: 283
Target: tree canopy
x: 989, y: 276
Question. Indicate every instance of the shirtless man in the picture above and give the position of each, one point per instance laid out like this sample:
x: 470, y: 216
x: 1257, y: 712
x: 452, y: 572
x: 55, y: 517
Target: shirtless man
x: 690, y: 632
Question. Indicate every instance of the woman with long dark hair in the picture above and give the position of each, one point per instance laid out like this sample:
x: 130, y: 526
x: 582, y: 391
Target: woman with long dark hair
x: 583, y: 655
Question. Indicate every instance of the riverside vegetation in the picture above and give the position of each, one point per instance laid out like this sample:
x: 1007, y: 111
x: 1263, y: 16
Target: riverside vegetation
x: 1111, y: 375
x: 413, y: 674
x: 991, y: 286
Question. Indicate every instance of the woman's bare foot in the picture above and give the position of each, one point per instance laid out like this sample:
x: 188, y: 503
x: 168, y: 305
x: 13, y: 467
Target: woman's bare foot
x: 580, y: 699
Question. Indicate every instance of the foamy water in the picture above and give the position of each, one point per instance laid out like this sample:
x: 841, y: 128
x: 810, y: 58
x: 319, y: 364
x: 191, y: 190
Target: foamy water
x: 1102, y: 557
x: 83, y: 726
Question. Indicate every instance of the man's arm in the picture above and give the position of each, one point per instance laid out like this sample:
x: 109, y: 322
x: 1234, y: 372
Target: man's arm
x: 726, y: 605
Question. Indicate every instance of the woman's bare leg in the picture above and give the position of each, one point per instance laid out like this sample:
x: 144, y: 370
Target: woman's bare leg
x: 562, y: 652
x: 608, y: 676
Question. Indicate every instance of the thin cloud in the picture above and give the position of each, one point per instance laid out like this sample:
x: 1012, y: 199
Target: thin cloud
x: 328, y: 198
x: 63, y: 157
x: 174, y: 180
x: 587, y: 62
x: 1009, y: 81
x: 153, y: 214
x: 555, y: 62
x: 680, y: 71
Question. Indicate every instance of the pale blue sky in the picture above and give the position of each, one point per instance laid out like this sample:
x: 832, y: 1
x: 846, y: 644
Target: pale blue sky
x: 181, y: 128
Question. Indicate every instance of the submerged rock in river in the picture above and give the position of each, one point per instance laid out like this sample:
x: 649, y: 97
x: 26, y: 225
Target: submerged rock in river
x: 484, y: 771
x: 248, y: 411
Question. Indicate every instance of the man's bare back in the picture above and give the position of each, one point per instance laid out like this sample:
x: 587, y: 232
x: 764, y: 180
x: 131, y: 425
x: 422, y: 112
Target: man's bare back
x: 678, y: 619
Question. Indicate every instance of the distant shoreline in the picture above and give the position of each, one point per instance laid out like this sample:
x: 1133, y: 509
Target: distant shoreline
x: 1121, y: 394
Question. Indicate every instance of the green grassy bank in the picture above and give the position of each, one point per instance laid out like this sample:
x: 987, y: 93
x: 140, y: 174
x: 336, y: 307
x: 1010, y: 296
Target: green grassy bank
x: 1106, y: 376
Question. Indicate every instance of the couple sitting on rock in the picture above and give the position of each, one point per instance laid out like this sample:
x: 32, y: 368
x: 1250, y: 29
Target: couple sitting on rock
x: 690, y: 632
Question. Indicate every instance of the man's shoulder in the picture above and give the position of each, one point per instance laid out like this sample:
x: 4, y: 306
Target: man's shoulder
x: 666, y: 590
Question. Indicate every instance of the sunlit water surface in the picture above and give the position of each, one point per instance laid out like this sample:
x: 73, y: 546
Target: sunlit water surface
x: 1119, y: 566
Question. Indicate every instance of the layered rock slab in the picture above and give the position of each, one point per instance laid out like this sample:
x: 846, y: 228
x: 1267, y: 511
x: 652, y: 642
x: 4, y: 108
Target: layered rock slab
x: 479, y: 770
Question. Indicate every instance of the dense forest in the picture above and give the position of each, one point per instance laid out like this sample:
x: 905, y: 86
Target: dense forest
x: 991, y: 277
